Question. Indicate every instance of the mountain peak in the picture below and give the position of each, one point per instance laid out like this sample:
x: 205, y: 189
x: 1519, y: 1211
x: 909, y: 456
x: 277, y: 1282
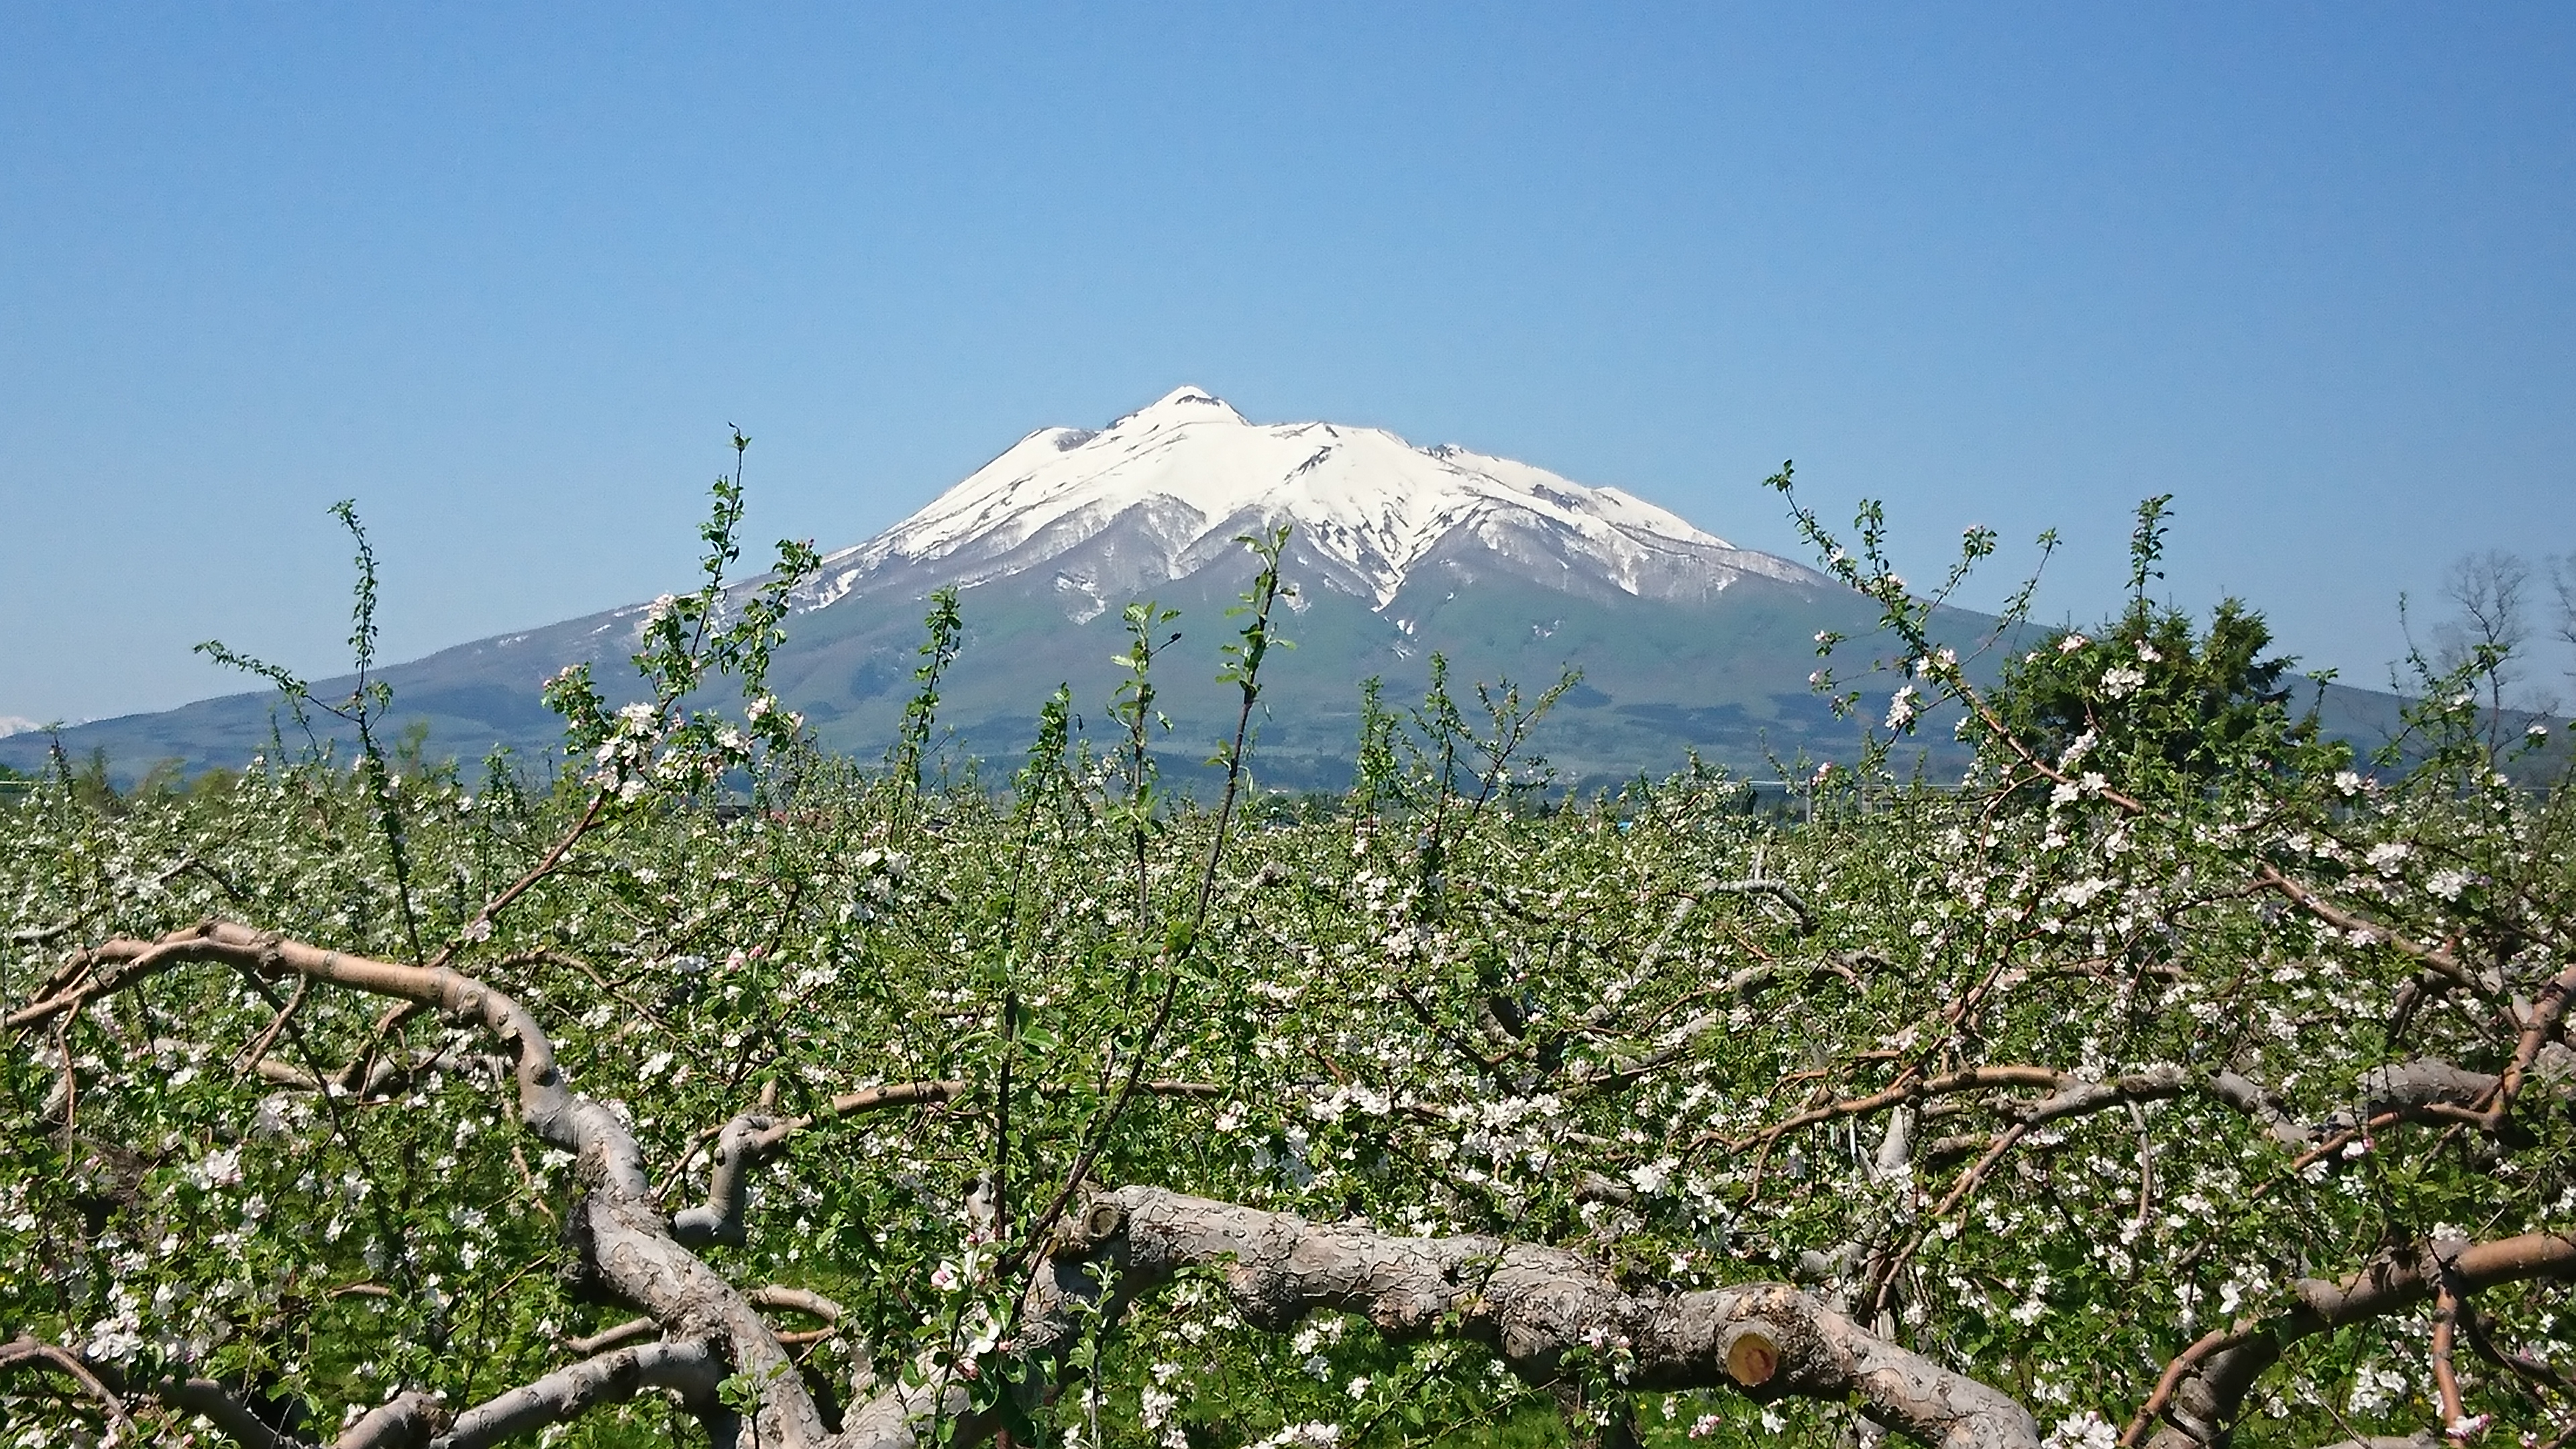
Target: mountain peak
x: 1182, y: 405
x: 1159, y: 495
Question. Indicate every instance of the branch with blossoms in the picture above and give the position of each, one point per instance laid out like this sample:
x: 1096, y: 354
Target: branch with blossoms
x: 1909, y: 617
x: 2029, y: 1099
x: 628, y: 1245
x: 662, y: 743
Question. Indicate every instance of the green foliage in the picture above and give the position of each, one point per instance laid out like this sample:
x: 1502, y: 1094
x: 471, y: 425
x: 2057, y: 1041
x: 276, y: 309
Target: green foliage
x: 2146, y: 706
x: 2150, y: 702
x: 2159, y: 705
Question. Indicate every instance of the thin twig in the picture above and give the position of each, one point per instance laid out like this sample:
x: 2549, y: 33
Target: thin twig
x: 249, y: 1056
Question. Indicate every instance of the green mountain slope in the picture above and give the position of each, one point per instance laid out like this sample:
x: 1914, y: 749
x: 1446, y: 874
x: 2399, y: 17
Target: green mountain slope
x: 1726, y: 678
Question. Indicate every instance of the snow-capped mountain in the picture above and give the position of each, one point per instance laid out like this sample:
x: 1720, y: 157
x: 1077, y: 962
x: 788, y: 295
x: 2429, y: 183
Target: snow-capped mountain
x: 1685, y: 643
x: 1399, y: 554
x: 1164, y: 492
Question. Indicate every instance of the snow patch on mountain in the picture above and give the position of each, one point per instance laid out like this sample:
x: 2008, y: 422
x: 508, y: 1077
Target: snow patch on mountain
x: 1163, y: 492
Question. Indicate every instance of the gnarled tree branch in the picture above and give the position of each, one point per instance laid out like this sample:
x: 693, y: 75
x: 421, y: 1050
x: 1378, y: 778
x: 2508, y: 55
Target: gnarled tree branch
x: 2204, y: 1388
x: 1542, y: 1310
x: 694, y: 1369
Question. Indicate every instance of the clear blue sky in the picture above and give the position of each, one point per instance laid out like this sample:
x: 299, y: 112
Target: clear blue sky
x: 504, y: 274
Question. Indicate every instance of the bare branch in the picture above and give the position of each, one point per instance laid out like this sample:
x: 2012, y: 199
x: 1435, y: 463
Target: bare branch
x: 633, y: 1330
x: 2539, y: 1027
x: 547, y: 866
x: 2205, y: 1386
x: 2434, y: 958
x: 2265, y: 1106
x: 73, y: 1365
x: 694, y: 1369
x: 2522, y: 1365
x: 2446, y: 1324
x: 1540, y: 1309
x: 256, y: 1052
x: 1776, y: 890
x: 406, y: 1421
x: 890, y: 1097
x: 1914, y: 1087
x: 797, y: 1300
x: 739, y: 1148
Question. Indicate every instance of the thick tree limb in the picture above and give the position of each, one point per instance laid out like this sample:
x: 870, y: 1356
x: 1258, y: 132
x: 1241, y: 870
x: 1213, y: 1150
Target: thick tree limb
x: 2426, y: 1090
x: 2539, y: 1026
x: 72, y: 1365
x: 641, y: 1264
x: 611, y: 1378
x: 1540, y: 1309
x: 1543, y: 1311
x: 797, y: 1300
x: 1776, y: 890
x: 2205, y: 1387
x: 739, y: 1149
x: 2265, y: 1106
x: 405, y: 1421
